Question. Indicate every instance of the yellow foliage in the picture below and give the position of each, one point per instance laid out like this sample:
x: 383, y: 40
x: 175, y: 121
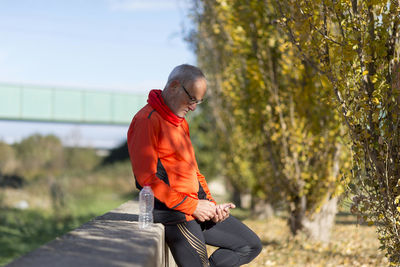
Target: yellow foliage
x: 355, y: 46
x: 280, y: 128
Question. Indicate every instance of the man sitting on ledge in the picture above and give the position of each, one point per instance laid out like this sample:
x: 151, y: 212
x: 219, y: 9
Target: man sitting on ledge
x: 162, y: 156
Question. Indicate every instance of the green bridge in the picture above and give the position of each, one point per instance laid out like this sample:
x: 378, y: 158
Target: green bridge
x: 67, y: 105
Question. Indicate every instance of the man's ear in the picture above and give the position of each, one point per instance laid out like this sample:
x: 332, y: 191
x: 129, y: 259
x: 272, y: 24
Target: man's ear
x: 174, y: 84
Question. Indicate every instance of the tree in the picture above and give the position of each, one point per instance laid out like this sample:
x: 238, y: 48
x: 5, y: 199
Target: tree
x: 354, y: 45
x: 8, y: 160
x: 40, y: 156
x: 81, y: 159
x: 202, y: 123
x: 278, y: 136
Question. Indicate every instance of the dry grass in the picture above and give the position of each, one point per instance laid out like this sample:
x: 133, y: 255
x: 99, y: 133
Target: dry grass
x: 110, y: 183
x: 350, y: 245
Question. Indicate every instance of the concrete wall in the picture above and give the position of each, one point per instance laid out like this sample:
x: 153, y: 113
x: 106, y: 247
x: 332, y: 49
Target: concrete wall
x: 113, y: 239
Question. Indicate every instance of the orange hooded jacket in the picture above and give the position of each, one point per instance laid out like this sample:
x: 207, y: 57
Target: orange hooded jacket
x: 163, y: 157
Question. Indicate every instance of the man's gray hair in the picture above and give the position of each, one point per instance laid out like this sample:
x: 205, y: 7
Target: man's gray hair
x: 185, y: 73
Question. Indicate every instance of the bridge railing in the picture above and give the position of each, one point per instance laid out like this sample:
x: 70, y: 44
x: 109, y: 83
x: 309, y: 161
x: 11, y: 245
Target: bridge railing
x: 39, y: 103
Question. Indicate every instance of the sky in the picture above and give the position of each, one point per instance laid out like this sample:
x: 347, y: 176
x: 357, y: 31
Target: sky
x: 113, y: 45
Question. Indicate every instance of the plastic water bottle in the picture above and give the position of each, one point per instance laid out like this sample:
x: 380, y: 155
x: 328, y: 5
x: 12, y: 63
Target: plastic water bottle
x: 146, y: 205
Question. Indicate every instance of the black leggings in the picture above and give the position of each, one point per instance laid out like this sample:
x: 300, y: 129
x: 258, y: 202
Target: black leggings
x: 237, y: 243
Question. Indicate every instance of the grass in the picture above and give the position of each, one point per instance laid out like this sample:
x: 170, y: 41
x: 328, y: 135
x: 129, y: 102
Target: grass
x: 84, y: 196
x: 23, y: 231
x: 79, y: 197
x: 350, y: 245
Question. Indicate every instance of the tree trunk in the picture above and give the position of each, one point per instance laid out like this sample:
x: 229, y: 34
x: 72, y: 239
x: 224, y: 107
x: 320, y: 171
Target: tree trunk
x: 320, y: 225
x: 297, y: 214
x: 262, y: 209
x: 245, y: 200
x: 317, y: 226
x: 236, y: 197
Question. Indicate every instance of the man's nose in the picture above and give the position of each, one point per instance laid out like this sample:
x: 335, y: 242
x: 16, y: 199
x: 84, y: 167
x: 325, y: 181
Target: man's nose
x: 193, y: 106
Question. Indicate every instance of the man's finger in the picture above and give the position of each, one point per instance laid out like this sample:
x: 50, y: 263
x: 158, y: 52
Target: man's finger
x: 219, y: 211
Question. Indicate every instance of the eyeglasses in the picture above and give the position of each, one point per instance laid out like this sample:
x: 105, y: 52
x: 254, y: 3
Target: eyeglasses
x: 193, y: 100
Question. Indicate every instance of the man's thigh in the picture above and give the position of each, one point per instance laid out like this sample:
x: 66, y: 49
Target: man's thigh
x: 237, y: 243
x: 187, y: 244
x: 231, y: 233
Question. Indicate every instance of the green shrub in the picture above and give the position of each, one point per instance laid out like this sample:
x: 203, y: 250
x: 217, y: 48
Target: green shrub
x: 8, y: 159
x: 40, y: 156
x: 82, y: 159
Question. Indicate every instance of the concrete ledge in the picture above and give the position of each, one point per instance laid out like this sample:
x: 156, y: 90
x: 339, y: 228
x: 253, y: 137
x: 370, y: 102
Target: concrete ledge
x: 113, y: 239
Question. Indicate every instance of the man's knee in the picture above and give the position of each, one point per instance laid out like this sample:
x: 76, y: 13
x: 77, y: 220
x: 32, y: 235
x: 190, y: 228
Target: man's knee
x: 257, y: 247
x: 250, y: 251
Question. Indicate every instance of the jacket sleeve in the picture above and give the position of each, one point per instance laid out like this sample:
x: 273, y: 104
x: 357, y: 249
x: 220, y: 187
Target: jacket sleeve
x: 203, y: 183
x: 142, y: 145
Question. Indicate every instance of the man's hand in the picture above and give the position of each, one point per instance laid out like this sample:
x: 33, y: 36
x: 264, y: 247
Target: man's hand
x: 205, y: 210
x: 222, y: 212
